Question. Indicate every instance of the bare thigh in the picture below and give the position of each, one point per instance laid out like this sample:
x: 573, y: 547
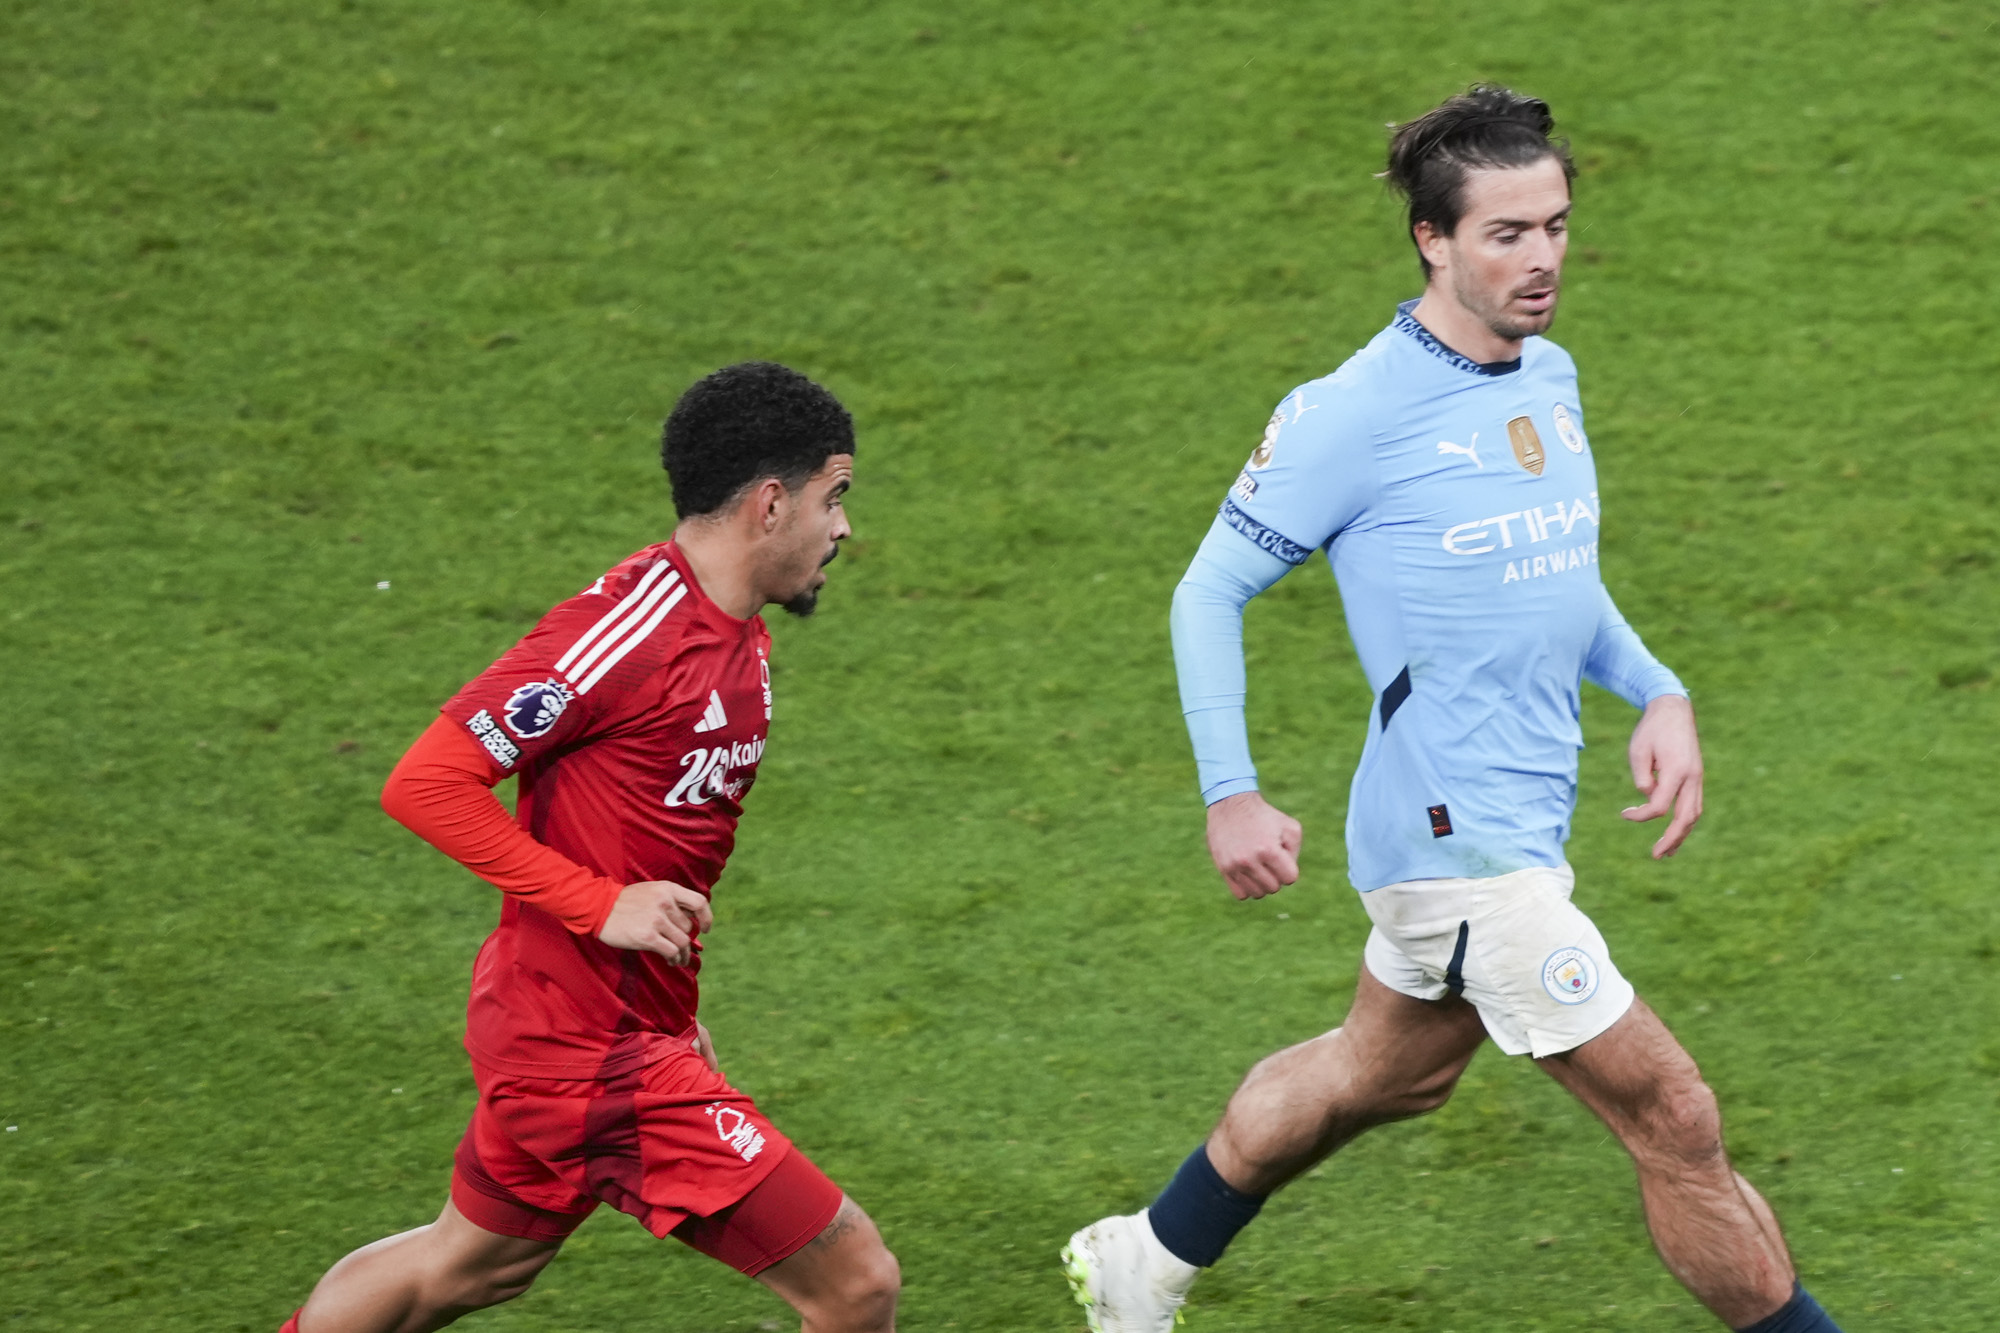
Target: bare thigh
x: 1634, y: 1067
x: 1393, y: 1058
x: 424, y: 1279
x: 843, y: 1279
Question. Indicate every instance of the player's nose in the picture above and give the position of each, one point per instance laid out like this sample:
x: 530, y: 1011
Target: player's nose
x: 1546, y: 252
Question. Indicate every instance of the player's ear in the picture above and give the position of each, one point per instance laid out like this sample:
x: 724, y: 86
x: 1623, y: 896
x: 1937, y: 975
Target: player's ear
x: 769, y: 504
x: 1432, y: 244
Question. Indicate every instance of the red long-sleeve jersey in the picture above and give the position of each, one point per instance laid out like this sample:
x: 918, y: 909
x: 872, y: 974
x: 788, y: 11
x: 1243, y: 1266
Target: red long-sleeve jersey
x: 635, y: 714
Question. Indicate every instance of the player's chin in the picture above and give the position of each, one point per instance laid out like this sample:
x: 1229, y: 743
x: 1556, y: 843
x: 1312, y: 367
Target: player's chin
x: 806, y: 602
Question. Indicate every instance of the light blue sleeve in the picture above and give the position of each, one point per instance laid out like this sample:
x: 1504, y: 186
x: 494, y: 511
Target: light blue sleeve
x: 1310, y: 477
x: 1618, y: 661
x: 1226, y: 573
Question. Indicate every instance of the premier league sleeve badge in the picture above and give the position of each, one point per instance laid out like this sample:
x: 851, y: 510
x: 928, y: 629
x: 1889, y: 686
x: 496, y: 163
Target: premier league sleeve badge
x: 532, y: 710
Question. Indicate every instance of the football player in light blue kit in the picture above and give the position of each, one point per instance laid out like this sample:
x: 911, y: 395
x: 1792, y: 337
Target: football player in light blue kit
x: 1445, y: 471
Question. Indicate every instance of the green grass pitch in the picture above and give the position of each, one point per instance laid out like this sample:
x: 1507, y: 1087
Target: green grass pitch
x: 333, y: 342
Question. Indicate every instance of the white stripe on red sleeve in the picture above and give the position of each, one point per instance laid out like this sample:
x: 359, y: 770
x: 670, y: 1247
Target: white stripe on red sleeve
x: 631, y: 641
x: 618, y: 632
x: 611, y: 616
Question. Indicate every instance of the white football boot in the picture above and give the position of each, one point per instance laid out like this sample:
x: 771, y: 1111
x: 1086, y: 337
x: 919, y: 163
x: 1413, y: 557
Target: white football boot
x: 1125, y: 1280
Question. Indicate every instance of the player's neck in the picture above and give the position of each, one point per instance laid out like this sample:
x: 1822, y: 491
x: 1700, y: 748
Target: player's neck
x: 715, y: 556
x: 1461, y: 330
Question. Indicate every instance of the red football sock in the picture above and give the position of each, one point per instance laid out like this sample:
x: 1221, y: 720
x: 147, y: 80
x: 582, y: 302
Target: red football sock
x: 292, y: 1325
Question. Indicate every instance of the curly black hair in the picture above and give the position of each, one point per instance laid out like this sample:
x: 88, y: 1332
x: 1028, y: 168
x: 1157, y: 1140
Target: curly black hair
x: 1485, y: 126
x: 746, y: 422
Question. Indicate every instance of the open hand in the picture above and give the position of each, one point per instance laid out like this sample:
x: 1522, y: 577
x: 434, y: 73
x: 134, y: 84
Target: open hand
x: 1666, y: 768
x: 1255, y: 844
x: 660, y: 917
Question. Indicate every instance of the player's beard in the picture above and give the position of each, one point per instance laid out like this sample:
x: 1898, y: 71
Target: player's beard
x: 1492, y: 310
x: 807, y: 602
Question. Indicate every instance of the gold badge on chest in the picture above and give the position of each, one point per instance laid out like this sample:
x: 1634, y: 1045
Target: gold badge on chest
x: 1527, y: 445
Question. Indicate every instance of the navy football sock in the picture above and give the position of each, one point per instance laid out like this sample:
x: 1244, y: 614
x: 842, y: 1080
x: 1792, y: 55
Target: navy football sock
x: 1199, y: 1213
x: 1800, y: 1314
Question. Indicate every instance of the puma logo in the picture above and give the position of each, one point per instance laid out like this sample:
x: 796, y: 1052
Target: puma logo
x: 1470, y: 451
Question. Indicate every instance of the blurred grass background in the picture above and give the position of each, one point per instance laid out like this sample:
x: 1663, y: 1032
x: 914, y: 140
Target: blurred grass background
x: 297, y: 299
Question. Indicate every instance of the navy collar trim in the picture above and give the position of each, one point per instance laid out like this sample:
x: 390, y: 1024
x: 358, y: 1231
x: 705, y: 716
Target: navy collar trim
x: 1407, y: 322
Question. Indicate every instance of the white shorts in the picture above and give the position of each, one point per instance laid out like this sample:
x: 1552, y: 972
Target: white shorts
x: 1514, y: 945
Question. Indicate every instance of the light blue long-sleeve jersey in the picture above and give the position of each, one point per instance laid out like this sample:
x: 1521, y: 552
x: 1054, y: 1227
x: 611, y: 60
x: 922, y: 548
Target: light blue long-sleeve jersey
x: 1458, y: 506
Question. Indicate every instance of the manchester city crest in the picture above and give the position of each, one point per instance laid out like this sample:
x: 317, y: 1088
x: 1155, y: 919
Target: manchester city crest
x: 532, y: 710
x: 1569, y: 976
x: 1566, y: 430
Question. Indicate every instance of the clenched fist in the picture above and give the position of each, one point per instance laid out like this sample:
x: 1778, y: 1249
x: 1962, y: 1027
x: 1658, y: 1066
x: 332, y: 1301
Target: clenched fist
x: 1255, y: 845
x: 660, y: 917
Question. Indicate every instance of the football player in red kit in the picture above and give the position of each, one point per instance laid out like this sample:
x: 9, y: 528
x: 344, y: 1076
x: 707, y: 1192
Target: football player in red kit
x: 634, y: 715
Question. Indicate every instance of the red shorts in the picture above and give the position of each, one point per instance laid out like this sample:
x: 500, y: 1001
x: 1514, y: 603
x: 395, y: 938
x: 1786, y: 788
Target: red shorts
x: 672, y: 1144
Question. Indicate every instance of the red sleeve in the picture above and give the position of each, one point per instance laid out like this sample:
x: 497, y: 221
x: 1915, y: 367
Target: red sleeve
x: 442, y: 791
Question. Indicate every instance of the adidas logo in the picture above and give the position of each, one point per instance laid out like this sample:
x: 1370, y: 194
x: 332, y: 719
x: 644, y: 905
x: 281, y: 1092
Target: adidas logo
x: 714, y: 717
